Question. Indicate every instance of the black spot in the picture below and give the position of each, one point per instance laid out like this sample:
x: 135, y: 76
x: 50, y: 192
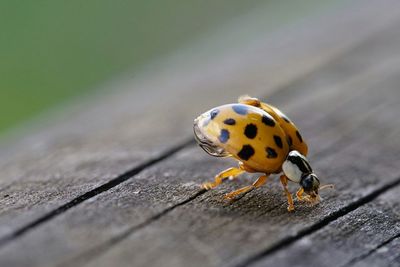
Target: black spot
x: 230, y: 121
x: 246, y: 152
x: 250, y: 131
x: 289, y: 140
x: 278, y: 141
x: 271, y: 153
x: 269, y: 121
x: 299, y: 137
x: 302, y: 164
x: 214, y: 113
x: 240, y: 109
x: 224, y: 136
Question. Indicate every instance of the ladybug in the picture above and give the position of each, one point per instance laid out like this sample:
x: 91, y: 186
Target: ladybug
x: 263, y: 140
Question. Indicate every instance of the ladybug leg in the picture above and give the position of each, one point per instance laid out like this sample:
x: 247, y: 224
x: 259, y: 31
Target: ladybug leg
x: 284, y: 181
x: 299, y: 194
x: 220, y: 177
x: 244, y: 190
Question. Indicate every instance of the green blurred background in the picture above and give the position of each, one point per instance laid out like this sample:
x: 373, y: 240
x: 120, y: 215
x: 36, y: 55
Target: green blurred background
x: 52, y: 51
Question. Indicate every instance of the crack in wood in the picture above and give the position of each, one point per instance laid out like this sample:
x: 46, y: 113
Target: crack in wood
x: 83, y: 258
x: 94, y: 192
x: 319, y: 225
x: 370, y: 252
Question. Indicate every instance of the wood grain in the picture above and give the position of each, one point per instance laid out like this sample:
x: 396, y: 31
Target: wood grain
x: 207, y: 232
x: 386, y: 254
x: 98, y: 141
x: 350, y: 240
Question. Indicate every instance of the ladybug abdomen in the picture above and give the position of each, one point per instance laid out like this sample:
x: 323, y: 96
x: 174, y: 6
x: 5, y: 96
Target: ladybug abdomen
x: 248, y: 134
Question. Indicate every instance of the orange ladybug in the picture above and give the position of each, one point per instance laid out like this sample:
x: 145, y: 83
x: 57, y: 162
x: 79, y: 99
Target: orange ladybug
x: 262, y: 139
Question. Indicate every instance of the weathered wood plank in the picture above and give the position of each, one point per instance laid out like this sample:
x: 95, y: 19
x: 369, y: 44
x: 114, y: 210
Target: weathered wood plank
x: 109, y: 147
x: 92, y: 146
x: 344, y: 241
x: 208, y: 226
x: 386, y: 255
x: 206, y: 232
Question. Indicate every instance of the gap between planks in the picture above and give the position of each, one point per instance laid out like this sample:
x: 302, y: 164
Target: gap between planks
x: 130, y: 173
x: 325, y: 221
x: 365, y: 255
x: 89, y: 254
x: 94, y: 192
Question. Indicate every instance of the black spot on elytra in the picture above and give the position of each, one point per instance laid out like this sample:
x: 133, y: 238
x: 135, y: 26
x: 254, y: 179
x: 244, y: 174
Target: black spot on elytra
x: 271, y: 153
x: 230, y: 121
x: 246, y: 152
x: 289, y: 140
x: 278, y: 141
x: 269, y: 121
x: 224, y: 136
x: 299, y: 137
x: 250, y: 131
x: 214, y: 113
x: 240, y: 109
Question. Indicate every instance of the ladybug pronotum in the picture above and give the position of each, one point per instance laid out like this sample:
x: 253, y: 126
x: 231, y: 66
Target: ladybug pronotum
x: 262, y: 139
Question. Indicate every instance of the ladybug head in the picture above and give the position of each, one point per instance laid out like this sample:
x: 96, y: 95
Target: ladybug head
x: 310, y: 184
x: 297, y: 169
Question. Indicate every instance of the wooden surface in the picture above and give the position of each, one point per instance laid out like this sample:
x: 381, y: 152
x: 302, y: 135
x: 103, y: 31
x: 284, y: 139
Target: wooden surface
x: 114, y: 181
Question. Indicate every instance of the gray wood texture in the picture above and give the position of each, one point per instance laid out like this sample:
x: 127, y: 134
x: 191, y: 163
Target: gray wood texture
x: 115, y: 181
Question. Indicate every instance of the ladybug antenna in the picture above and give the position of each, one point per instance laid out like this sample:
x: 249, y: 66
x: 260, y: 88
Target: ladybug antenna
x: 327, y: 186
